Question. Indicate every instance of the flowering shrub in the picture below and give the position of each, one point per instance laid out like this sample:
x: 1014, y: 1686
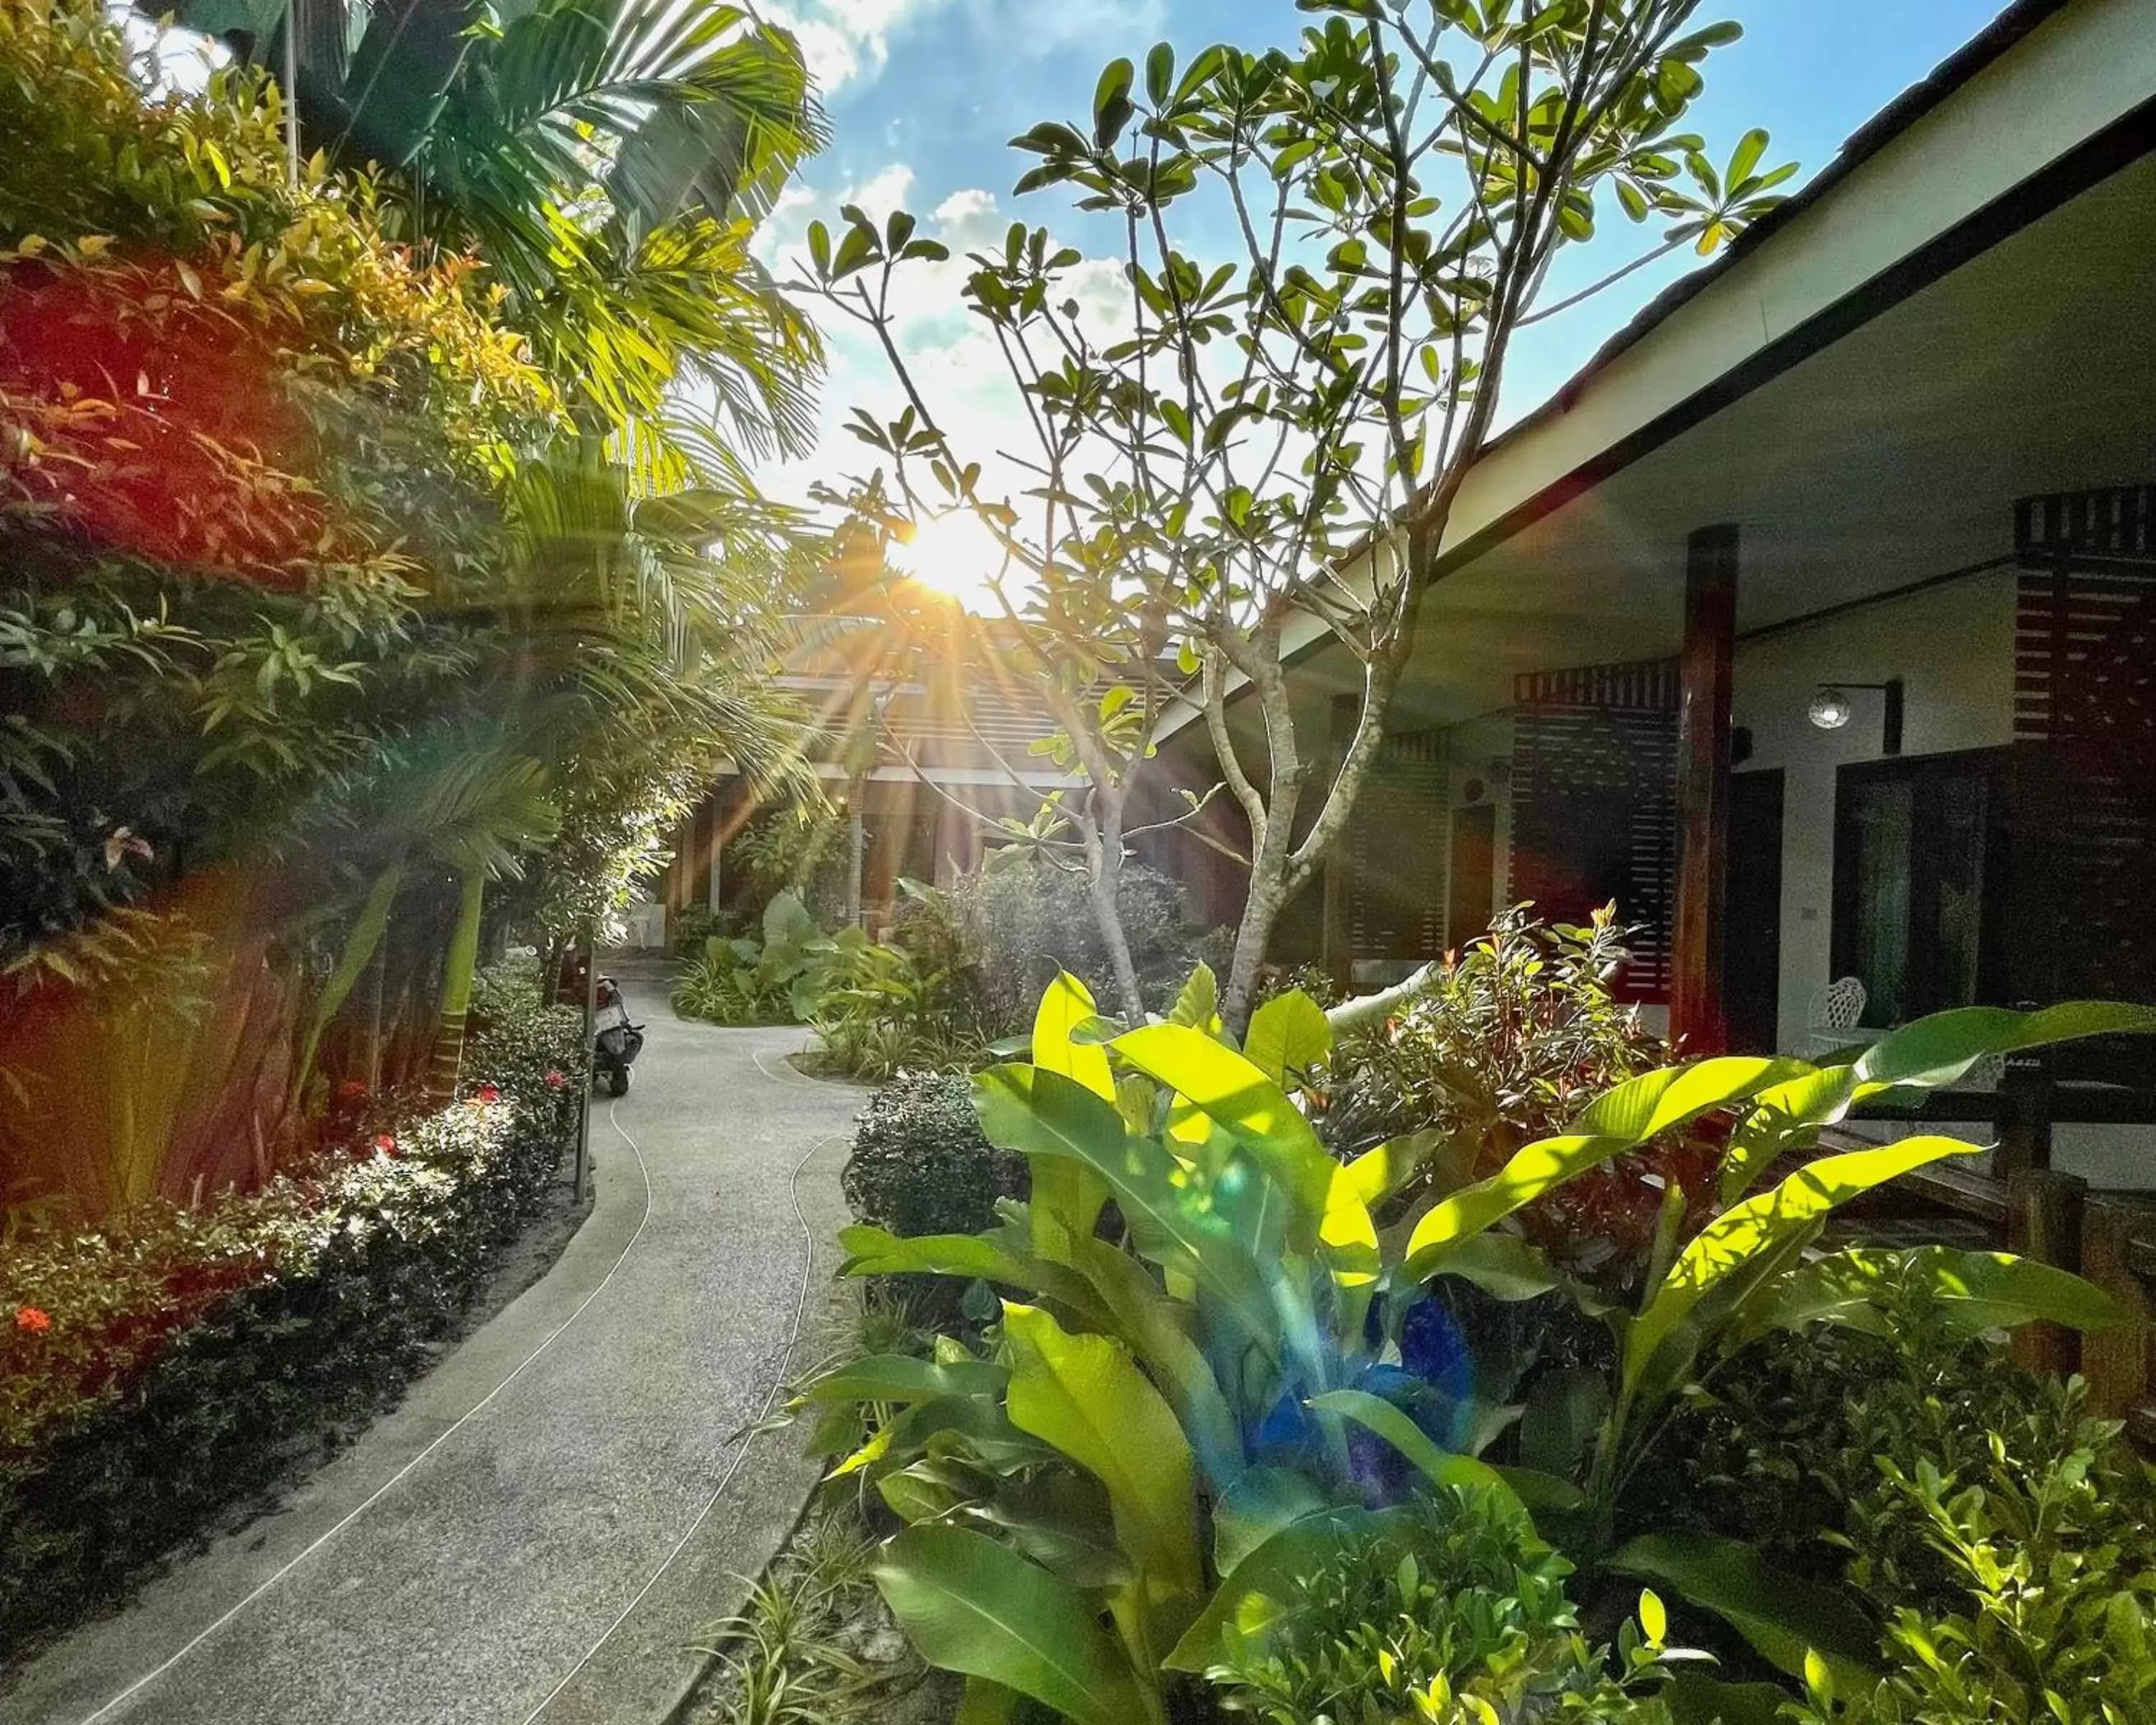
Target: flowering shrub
x: 158, y: 1369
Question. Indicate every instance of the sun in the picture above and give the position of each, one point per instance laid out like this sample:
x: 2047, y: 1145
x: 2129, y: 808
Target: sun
x: 955, y: 554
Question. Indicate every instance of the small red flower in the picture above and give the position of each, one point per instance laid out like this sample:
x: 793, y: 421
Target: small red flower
x: 385, y: 1143
x: 29, y: 1319
x: 555, y: 1080
x: 487, y: 1093
x: 351, y: 1090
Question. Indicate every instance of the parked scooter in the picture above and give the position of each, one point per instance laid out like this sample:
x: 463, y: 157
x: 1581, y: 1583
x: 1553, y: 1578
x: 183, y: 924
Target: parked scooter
x: 615, y: 1042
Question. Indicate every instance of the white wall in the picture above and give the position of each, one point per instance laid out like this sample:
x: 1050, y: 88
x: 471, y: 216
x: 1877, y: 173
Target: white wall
x: 1953, y: 646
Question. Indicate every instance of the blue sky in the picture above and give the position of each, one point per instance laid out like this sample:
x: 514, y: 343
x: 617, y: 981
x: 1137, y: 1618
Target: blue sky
x: 924, y: 95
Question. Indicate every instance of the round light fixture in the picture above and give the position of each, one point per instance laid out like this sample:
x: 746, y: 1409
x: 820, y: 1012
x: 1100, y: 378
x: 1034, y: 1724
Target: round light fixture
x: 1830, y: 709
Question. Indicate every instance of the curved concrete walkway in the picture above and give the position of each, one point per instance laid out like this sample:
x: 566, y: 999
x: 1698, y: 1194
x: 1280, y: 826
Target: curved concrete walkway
x: 535, y: 1536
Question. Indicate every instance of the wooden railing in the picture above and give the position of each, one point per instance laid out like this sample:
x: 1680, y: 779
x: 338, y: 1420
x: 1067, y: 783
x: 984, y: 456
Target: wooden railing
x: 2024, y: 1205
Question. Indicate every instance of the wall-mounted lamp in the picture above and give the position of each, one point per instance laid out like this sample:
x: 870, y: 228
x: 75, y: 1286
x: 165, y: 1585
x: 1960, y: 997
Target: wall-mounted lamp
x: 1831, y: 709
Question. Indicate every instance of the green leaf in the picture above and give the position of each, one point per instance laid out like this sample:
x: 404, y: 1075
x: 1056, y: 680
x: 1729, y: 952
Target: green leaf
x: 901, y: 1378
x: 1067, y: 1197
x: 1043, y: 1114
x: 985, y: 1703
x: 1441, y: 1467
x: 1658, y: 1102
x: 1782, y: 1616
x: 1266, y: 1583
x: 1065, y: 1004
x: 1740, y: 1236
x: 1086, y: 1396
x: 1259, y: 1505
x: 1504, y: 1266
x: 1565, y: 1409
x: 1197, y: 1003
x: 1383, y: 1173
x: 973, y: 1606
x: 1695, y: 1698
x: 1975, y: 1290
x: 1940, y: 1049
x: 1746, y: 157
x: 1253, y: 1110
x: 1151, y: 1325
x: 1288, y: 1036
x: 1160, y: 73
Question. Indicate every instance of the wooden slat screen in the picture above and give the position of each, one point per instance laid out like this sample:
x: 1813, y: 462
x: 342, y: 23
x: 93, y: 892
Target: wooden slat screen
x: 1595, y: 803
x: 1397, y: 842
x: 2085, y: 718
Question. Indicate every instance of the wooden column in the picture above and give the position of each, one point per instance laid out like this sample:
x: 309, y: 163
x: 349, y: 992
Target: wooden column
x: 2044, y: 1212
x: 1338, y: 952
x: 2118, y: 1361
x: 1704, y: 669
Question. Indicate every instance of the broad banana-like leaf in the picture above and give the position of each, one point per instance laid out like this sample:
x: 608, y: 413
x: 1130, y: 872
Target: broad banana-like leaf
x: 973, y: 1606
x: 1564, y: 1410
x: 1253, y: 1110
x: 976, y: 1426
x: 915, y: 1494
x: 1349, y: 1235
x: 1379, y: 1174
x: 1625, y: 1118
x: 1932, y: 1052
x: 1975, y: 1290
x: 1066, y: 1004
x: 1084, y: 1395
x: 1153, y: 1327
x: 1937, y: 1049
x: 1288, y: 1035
x: 1658, y: 1102
x: 1781, y: 1615
x: 1067, y: 1197
x: 1504, y: 1266
x: 985, y: 1703
x: 1440, y: 1467
x: 1695, y: 1698
x: 1265, y: 1585
x: 1050, y: 1118
x: 1735, y: 1240
x: 901, y: 1378
x: 874, y: 1251
x: 1264, y: 1501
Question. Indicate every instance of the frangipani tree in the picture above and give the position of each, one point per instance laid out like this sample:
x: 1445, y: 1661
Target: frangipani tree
x: 1267, y: 442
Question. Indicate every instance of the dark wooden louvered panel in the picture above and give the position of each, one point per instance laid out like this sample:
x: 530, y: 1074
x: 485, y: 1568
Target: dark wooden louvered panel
x: 1396, y: 905
x: 2085, y: 717
x: 1594, y: 806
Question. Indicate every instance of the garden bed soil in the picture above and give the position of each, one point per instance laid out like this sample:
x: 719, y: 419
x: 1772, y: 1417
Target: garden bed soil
x: 521, y: 1263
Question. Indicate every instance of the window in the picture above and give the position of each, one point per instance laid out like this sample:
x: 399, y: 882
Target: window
x: 1919, y: 882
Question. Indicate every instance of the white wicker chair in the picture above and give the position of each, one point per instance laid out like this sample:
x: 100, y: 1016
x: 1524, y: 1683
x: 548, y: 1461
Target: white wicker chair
x: 1836, y: 1011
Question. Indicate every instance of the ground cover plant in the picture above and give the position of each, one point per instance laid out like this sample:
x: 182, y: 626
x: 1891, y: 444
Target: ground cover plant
x: 1207, y: 1376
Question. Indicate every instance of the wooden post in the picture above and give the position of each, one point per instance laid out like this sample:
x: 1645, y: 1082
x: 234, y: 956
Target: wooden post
x: 1339, y: 949
x: 2025, y: 1128
x: 2117, y: 1361
x: 1704, y: 672
x: 2044, y: 1214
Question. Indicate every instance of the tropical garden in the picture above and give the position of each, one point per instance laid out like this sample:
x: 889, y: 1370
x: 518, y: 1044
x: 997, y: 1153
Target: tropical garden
x: 386, y: 578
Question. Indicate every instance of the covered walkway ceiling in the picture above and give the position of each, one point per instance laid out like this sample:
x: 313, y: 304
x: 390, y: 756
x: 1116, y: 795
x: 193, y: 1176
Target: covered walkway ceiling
x: 1892, y: 456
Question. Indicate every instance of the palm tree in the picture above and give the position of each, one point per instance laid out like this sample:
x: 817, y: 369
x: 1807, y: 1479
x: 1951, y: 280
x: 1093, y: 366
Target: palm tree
x: 608, y: 160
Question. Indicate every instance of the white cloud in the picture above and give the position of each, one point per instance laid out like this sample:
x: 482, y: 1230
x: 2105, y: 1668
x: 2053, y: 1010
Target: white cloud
x: 847, y: 41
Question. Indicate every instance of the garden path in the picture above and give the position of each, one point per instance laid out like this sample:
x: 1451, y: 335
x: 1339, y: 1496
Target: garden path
x: 538, y: 1533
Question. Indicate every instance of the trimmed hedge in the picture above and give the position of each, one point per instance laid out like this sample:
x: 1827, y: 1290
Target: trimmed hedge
x: 921, y: 1166
x: 156, y: 1375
